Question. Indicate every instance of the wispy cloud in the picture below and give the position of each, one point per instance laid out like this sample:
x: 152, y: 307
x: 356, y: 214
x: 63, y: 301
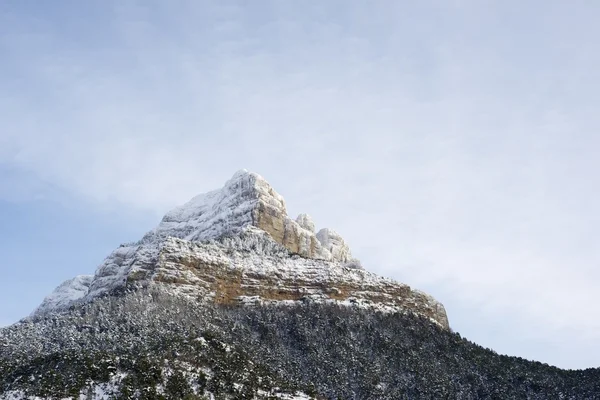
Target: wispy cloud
x: 453, y: 144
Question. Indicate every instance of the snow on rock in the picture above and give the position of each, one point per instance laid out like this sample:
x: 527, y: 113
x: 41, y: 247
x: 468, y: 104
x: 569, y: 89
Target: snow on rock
x: 120, y: 264
x: 223, y: 211
x: 335, y: 244
x: 65, y: 294
x: 245, y: 200
x: 306, y: 222
x: 238, y: 243
x: 251, y: 268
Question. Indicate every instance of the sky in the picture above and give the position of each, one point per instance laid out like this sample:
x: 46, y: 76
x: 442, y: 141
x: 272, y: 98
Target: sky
x: 454, y: 144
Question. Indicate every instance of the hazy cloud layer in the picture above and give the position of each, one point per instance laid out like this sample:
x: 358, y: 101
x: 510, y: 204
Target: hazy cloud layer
x: 453, y: 144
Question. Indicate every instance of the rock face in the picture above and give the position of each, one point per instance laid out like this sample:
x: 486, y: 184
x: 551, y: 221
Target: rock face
x: 227, y: 273
x: 247, y: 199
x: 333, y: 242
x: 306, y: 222
x: 238, y: 245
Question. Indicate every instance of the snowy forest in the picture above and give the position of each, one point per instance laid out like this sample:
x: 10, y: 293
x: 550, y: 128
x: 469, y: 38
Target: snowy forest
x: 151, y: 345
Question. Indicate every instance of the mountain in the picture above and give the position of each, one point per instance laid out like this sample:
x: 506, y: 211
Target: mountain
x: 265, y: 257
x: 230, y: 298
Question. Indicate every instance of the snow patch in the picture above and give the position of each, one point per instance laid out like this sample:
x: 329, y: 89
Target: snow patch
x: 66, y: 293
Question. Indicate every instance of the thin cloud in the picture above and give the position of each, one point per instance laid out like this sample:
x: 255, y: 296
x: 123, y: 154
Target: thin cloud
x: 453, y: 152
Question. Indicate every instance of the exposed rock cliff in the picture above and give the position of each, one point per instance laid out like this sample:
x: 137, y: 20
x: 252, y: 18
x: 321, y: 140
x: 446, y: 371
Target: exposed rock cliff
x: 248, y: 199
x: 251, y: 268
x: 238, y: 245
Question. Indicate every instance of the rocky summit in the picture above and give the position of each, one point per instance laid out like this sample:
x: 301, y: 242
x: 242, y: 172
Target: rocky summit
x: 237, y: 245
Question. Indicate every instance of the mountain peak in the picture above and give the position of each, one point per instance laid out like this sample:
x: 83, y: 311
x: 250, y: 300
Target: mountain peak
x: 247, y: 199
x: 237, y: 245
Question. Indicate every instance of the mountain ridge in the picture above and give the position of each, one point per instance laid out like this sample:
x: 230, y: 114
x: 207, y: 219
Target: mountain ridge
x: 309, y: 266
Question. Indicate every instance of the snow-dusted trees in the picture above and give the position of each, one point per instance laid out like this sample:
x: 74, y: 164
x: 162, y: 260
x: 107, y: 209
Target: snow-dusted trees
x: 152, y: 345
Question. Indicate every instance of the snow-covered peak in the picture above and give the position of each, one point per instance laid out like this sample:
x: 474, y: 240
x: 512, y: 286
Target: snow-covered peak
x: 246, y: 201
x: 242, y: 185
x: 223, y: 211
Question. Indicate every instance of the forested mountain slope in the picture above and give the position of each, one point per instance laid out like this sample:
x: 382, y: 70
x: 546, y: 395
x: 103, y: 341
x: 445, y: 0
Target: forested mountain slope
x: 150, y: 344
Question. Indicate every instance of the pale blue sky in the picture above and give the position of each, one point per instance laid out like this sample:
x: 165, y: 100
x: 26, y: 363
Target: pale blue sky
x: 453, y: 143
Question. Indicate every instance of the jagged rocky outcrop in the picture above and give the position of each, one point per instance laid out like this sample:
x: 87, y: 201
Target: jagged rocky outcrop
x: 247, y: 199
x: 238, y: 245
